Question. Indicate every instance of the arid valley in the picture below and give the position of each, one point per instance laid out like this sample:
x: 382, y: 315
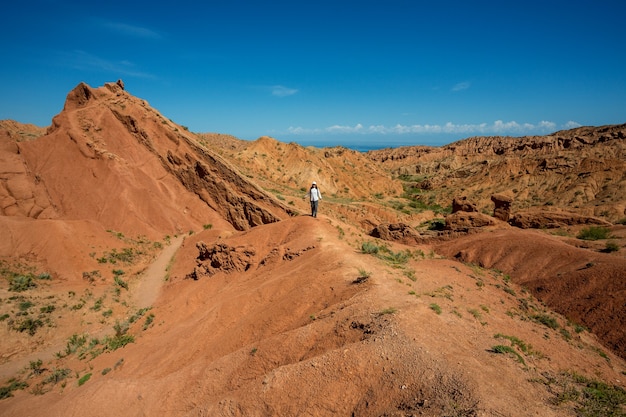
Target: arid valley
x: 148, y: 270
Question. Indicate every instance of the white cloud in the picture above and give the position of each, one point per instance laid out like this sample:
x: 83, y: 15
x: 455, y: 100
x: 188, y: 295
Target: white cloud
x: 498, y: 127
x: 461, y: 86
x: 571, y: 125
x: 282, y: 91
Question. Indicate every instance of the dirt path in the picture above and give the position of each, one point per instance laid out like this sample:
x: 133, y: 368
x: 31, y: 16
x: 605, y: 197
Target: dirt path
x: 148, y: 288
x: 144, y: 294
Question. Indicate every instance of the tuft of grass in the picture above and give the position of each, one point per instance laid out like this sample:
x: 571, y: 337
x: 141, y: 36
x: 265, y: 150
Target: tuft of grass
x: 35, y: 366
x: 475, y: 313
x: 501, y: 349
x: 369, y: 248
x: 7, y: 390
x: 389, y: 310
x: 516, y: 342
x: 435, y: 307
x: 594, y: 233
x: 611, y: 247
x: 363, y: 276
x: 410, y: 274
x: 74, y: 343
x: 84, y: 379
x: 363, y: 273
x: 57, y: 376
x: 148, y: 322
x: 119, y: 281
x: 546, y: 320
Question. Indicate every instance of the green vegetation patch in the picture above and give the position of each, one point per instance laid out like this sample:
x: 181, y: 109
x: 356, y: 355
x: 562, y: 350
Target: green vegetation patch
x: 594, y: 233
x: 13, y: 385
x: 502, y: 349
x: 383, y: 252
x: 589, y: 398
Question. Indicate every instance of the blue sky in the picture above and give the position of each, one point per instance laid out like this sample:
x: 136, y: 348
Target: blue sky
x: 361, y: 74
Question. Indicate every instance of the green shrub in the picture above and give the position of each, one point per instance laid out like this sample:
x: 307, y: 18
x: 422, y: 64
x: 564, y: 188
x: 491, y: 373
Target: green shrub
x: 600, y: 399
x: 7, y: 390
x: 120, y: 282
x: 84, y: 379
x: 592, y: 398
x: 35, y: 366
x: 25, y: 305
x: 57, y: 376
x: 611, y: 247
x: 521, y: 345
x: 148, y: 322
x: 546, y: 320
x: 390, y: 310
x: 47, y: 309
x: 508, y: 349
x: 74, y: 343
x: 113, y: 343
x: 369, y: 248
x: 435, y: 307
x: 401, y: 257
x: 19, y: 283
x: 363, y: 273
x: 594, y: 233
x: 29, y: 325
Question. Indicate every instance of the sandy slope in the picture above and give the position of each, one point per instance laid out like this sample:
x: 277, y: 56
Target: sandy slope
x: 294, y: 335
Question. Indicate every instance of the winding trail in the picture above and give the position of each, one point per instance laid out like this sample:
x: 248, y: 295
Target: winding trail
x: 149, y: 287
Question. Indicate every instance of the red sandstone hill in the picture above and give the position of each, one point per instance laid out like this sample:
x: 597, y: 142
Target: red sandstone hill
x: 148, y: 270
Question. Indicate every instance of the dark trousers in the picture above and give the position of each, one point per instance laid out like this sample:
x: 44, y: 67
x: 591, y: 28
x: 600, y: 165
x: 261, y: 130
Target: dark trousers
x: 314, y: 208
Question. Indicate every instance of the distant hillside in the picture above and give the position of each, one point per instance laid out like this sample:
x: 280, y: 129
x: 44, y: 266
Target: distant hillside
x: 582, y: 170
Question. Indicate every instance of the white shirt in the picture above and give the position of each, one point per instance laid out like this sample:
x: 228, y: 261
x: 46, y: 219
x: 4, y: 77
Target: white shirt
x: 314, y: 194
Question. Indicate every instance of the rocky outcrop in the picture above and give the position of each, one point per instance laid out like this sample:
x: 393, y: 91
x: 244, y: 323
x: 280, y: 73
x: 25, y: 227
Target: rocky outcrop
x: 463, y: 204
x: 502, y: 210
x: 462, y: 221
x: 221, y: 258
x: 398, y: 232
x: 543, y: 219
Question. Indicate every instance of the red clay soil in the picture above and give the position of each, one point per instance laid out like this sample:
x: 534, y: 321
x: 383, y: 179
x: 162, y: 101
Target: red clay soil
x: 295, y: 335
x: 585, y: 286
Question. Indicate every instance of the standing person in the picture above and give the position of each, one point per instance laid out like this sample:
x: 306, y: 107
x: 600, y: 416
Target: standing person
x: 314, y: 196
